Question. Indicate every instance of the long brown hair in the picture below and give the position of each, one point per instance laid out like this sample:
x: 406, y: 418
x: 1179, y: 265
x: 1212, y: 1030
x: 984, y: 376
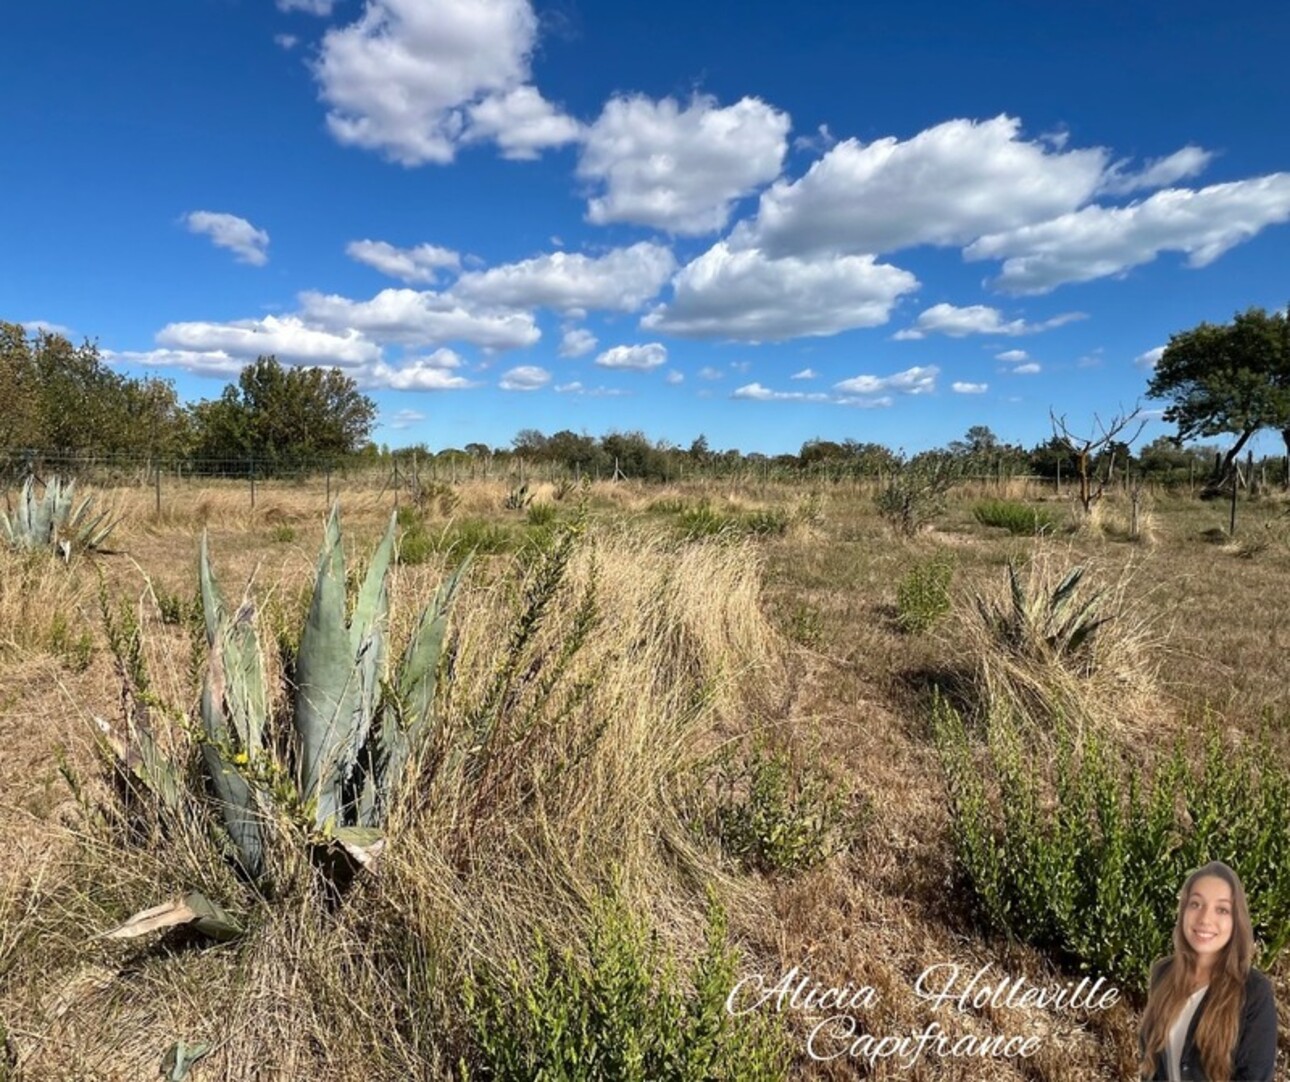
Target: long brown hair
x: 1217, y: 1029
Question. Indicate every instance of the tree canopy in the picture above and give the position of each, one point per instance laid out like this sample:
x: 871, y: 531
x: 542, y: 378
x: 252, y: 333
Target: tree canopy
x: 1231, y: 378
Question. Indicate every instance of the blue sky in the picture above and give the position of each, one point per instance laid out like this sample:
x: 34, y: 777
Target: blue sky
x: 761, y: 222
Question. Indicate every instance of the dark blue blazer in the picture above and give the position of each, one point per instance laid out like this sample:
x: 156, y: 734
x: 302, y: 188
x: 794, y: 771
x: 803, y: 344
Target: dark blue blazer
x: 1255, y: 1059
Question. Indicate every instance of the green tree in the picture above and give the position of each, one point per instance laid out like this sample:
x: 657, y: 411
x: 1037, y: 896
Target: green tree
x: 1226, y: 379
x: 20, y: 403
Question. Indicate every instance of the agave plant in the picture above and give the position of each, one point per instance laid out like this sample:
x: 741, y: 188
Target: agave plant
x: 1062, y: 624
x: 51, y: 521
x: 354, y: 725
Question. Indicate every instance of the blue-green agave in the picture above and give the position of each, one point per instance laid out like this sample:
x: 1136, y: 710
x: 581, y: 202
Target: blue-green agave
x: 355, y: 724
x: 51, y: 521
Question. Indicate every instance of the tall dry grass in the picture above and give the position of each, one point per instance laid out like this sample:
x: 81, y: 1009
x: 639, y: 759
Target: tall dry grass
x: 582, y: 688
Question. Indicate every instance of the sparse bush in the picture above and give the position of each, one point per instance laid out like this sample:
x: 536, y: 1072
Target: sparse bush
x: 76, y: 650
x: 1017, y: 518
x: 282, y: 534
x: 702, y: 521
x: 915, y: 492
x: 923, y: 594
x: 776, y: 815
x: 1078, y: 853
x: 518, y: 498
x: 623, y: 1013
x: 541, y: 514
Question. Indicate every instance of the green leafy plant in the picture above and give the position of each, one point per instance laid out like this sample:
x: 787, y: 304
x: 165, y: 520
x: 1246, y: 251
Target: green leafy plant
x: 622, y: 1013
x: 1017, y: 518
x: 1077, y: 852
x: 915, y: 491
x: 1060, y: 624
x: 542, y: 514
x: 354, y: 724
x: 776, y: 815
x: 923, y: 594
x: 282, y: 534
x: 53, y: 521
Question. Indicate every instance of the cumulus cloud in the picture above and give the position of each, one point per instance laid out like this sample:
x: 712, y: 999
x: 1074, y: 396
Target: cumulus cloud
x: 214, y: 363
x: 248, y: 244
x: 576, y: 388
x: 577, y: 342
x: 916, y: 380
x: 521, y: 122
x: 680, y: 169
x: 744, y: 295
x: 710, y: 373
x: 1012, y: 356
x: 961, y: 387
x: 621, y: 280
x: 1159, y: 173
x: 757, y: 393
x: 805, y: 373
x: 640, y: 358
x: 418, y: 318
x: 1150, y: 358
x: 43, y: 326
x: 947, y: 185
x: 286, y: 41
x: 288, y: 337
x: 406, y: 419
x: 414, y: 79
x: 674, y: 377
x: 1029, y: 369
x: 424, y: 374
x: 1098, y: 242
x: 956, y: 322
x: 313, y: 7
x: 419, y: 264
x: 527, y: 377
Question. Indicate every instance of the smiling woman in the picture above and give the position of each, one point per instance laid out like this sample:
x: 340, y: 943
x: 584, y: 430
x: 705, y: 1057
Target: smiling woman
x: 1210, y: 1015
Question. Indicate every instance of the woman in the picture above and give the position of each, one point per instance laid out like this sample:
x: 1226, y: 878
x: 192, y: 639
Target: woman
x: 1210, y: 1016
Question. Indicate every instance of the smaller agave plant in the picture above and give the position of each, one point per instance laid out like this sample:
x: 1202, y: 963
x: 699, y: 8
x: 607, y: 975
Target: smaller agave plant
x: 51, y: 521
x: 354, y: 727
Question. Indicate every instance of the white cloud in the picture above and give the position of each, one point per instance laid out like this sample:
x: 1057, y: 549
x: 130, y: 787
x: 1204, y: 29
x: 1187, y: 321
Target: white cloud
x: 958, y: 322
x: 576, y: 388
x: 286, y: 41
x: 419, y: 264
x: 1026, y: 369
x: 674, y: 377
x: 425, y: 374
x: 1012, y: 356
x: 960, y: 387
x: 420, y: 318
x: 406, y: 419
x: 744, y: 295
x: 313, y: 7
x: 1159, y: 173
x: 620, y: 280
x: 521, y: 122
x: 201, y: 363
x: 917, y: 380
x: 43, y: 326
x: 946, y: 185
x: 640, y: 358
x: 680, y: 169
x: 1149, y: 359
x: 414, y: 79
x: 248, y: 244
x: 526, y: 377
x: 288, y: 338
x: 805, y: 373
x: 1097, y: 242
x: 710, y: 373
x: 577, y: 342
x: 757, y: 393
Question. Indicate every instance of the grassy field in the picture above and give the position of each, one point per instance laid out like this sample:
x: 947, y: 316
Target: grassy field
x: 734, y: 769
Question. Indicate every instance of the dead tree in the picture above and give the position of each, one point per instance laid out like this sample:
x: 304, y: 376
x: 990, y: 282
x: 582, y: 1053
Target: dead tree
x: 1085, y: 450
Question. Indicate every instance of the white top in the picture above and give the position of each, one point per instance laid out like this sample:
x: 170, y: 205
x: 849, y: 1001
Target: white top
x: 1178, y: 1034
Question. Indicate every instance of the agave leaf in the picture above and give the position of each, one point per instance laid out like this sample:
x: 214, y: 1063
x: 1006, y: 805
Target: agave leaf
x: 327, y: 683
x: 140, y: 756
x: 1084, y: 633
x: 1021, y: 611
x: 1065, y: 589
x: 373, y: 599
x: 362, y: 844
x: 181, y: 1057
x: 212, y: 600
x: 193, y: 908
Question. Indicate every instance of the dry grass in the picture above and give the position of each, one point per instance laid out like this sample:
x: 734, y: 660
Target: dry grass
x: 583, y: 789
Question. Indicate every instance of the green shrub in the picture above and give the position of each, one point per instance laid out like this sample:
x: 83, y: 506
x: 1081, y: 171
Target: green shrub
x: 1016, y: 518
x: 923, y: 594
x: 702, y: 521
x: 915, y: 492
x: 1079, y: 853
x: 282, y: 534
x: 806, y: 626
x: 622, y: 1013
x: 777, y: 816
x: 408, y: 517
x: 76, y: 651
x: 541, y: 514
x: 769, y: 522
